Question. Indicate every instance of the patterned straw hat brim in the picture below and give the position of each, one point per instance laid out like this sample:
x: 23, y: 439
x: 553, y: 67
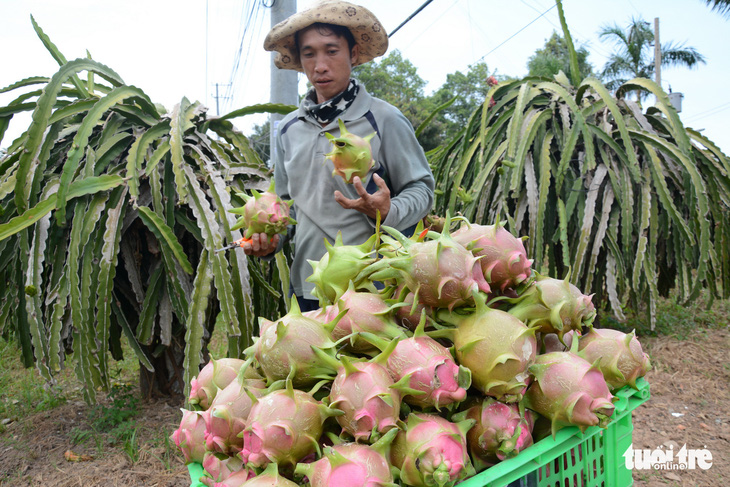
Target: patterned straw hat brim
x: 369, y: 34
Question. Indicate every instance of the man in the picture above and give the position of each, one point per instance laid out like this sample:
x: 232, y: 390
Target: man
x: 325, y: 42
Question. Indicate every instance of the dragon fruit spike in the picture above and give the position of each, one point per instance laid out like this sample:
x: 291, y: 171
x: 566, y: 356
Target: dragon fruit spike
x: 568, y: 390
x: 340, y: 265
x: 619, y: 355
x: 351, y: 465
x: 351, y: 154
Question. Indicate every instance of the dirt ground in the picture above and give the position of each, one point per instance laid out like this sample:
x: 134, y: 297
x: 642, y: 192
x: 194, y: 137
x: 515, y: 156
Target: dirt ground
x: 690, y: 404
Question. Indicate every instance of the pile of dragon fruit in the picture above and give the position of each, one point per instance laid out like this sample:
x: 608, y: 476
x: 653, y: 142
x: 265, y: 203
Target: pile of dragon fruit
x: 432, y: 358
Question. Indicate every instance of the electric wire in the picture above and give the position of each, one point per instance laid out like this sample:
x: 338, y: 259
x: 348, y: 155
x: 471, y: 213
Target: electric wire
x: 708, y: 113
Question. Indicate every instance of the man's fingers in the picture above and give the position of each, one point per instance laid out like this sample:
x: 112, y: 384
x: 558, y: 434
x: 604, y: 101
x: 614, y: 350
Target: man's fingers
x: 357, y: 183
x: 346, y: 203
x: 380, y: 183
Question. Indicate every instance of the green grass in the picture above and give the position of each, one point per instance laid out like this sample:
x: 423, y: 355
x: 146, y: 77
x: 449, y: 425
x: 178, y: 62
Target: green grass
x: 674, y: 318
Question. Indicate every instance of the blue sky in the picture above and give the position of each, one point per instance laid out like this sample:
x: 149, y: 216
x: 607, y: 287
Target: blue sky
x: 179, y: 48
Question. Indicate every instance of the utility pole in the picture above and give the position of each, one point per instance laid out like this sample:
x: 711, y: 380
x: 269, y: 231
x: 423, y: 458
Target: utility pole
x: 217, y: 97
x: 283, y: 81
x: 657, y: 53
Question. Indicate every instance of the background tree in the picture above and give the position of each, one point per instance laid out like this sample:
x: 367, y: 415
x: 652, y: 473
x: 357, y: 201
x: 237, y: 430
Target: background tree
x: 469, y: 90
x: 396, y: 80
x: 722, y: 6
x: 634, y: 57
x: 555, y: 57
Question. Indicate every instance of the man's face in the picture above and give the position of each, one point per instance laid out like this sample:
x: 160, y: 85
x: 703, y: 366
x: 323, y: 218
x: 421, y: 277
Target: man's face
x: 327, y: 61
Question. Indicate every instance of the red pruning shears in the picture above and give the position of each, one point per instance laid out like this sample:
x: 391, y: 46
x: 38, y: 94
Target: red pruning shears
x: 236, y: 243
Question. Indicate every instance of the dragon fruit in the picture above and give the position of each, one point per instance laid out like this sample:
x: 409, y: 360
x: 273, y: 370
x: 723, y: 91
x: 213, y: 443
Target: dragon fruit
x: 283, y: 427
x: 555, y: 305
x: 441, y: 272
x: 351, y: 465
x: 362, y: 312
x: 364, y: 392
x: 497, y: 348
x: 351, y: 154
x: 340, y: 266
x: 619, y: 355
x: 226, y: 416
x: 220, y: 467
x: 503, y: 257
x: 263, y: 213
x: 236, y: 479
x: 294, y: 342
x: 501, y: 431
x: 189, y: 437
x: 425, y: 371
x: 432, y: 451
x: 216, y: 375
x: 406, y: 310
x: 568, y: 390
x: 268, y: 478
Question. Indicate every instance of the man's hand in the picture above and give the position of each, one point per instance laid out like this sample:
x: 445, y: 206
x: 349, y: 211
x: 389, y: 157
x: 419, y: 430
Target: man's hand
x: 261, y: 245
x: 369, y: 204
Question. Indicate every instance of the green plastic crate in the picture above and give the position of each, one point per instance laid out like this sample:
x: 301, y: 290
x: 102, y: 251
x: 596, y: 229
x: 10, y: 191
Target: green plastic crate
x: 571, y: 459
x: 574, y: 459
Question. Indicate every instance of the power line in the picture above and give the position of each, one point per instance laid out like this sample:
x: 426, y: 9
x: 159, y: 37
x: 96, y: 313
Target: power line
x: 410, y: 17
x: 708, y: 113
x: 513, y: 35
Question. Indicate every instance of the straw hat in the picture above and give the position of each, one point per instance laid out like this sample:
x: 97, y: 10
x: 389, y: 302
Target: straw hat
x: 368, y: 32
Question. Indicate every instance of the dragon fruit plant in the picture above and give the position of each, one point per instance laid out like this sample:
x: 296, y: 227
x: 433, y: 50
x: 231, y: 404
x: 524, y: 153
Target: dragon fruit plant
x: 351, y: 154
x: 502, y: 255
x: 619, y: 355
x: 569, y: 390
x: 352, y: 465
x: 497, y: 347
x: 432, y: 451
x: 283, y: 427
x: 263, y: 213
x: 501, y: 431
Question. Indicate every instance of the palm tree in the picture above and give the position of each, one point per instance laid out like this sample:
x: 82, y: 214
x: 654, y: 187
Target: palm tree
x: 635, y: 55
x: 722, y: 6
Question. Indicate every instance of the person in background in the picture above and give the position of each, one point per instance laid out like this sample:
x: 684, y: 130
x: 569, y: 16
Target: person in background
x: 325, y: 42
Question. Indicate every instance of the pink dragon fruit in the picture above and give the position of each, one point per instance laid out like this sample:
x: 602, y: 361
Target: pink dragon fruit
x: 216, y: 375
x: 364, y: 392
x: 283, y: 427
x: 501, y: 431
x: 237, y: 479
x: 351, y: 465
x: 263, y: 213
x: 220, y: 467
x: 568, y: 390
x: 504, y: 259
x: 432, y: 451
x: 619, y: 355
x: 294, y: 343
x: 406, y: 311
x: 189, y: 437
x: 425, y: 371
x: 340, y: 266
x: 362, y: 312
x: 268, y: 478
x: 441, y: 272
x: 351, y: 154
x: 497, y: 348
x: 555, y: 306
x: 226, y: 416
